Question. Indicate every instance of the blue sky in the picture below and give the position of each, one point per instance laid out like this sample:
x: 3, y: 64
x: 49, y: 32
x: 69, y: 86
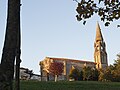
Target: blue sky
x: 49, y: 28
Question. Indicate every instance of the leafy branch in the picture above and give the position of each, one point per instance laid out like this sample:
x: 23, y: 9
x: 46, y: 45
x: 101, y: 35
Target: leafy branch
x: 107, y: 10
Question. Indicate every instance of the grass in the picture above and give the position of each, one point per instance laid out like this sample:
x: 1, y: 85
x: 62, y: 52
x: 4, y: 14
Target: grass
x: 64, y: 85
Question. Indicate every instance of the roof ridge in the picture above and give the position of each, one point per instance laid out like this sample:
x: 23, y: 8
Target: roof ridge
x: 70, y: 59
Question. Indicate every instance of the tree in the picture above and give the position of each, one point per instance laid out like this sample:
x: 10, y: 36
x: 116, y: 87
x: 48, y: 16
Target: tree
x: 108, y: 75
x: 74, y: 74
x: 95, y: 74
x: 87, y: 73
x: 11, y: 47
x: 116, y: 69
x: 56, y: 69
x: 107, y: 10
x: 101, y: 75
x: 112, y: 73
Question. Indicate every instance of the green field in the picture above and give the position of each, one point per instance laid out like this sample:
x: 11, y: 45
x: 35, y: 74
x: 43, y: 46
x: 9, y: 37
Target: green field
x: 76, y: 85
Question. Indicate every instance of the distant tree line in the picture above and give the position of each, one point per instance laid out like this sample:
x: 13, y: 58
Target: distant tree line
x: 86, y: 74
x: 111, y: 73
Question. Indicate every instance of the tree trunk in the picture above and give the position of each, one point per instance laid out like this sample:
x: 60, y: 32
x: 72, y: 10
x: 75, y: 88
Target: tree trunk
x: 18, y: 53
x: 9, y: 49
x: 18, y: 61
x: 56, y: 78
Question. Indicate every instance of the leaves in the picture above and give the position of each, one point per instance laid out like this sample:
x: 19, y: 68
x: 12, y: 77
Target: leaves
x: 100, y: 1
x: 84, y: 22
x: 74, y: 74
x: 56, y: 68
x: 107, y: 24
x: 118, y: 25
x: 112, y: 73
x: 108, y: 12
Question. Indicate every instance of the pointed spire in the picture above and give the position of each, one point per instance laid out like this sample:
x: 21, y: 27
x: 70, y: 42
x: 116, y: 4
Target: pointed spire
x: 98, y: 33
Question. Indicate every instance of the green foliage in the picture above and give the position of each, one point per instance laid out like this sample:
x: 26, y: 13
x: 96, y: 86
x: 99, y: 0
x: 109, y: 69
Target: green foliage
x: 112, y: 73
x: 116, y: 70
x: 90, y: 74
x: 80, y: 76
x: 101, y: 75
x: 95, y: 74
x: 74, y: 74
x: 87, y: 73
x: 107, y: 10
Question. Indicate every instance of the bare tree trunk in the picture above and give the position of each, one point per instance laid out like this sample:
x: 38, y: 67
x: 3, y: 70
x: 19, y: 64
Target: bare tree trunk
x: 56, y: 78
x: 18, y: 53
x: 18, y: 60
x: 9, y: 49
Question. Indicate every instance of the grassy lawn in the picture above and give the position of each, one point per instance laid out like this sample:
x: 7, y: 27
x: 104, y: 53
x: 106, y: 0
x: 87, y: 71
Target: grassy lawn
x: 76, y: 85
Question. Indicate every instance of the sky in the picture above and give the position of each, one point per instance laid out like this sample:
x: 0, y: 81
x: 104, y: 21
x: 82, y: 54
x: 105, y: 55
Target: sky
x: 49, y: 29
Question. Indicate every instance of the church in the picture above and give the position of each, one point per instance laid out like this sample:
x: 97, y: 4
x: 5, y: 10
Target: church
x: 100, y: 60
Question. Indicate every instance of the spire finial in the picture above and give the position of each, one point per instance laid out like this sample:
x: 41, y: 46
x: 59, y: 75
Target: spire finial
x: 98, y: 33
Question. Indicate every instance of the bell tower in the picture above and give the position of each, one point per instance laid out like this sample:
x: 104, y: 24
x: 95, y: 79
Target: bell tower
x: 100, y: 55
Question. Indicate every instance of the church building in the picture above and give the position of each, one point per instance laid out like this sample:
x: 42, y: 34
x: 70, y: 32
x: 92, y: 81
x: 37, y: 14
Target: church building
x: 100, y: 60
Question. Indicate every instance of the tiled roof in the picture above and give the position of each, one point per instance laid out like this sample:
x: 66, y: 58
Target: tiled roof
x: 72, y: 60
